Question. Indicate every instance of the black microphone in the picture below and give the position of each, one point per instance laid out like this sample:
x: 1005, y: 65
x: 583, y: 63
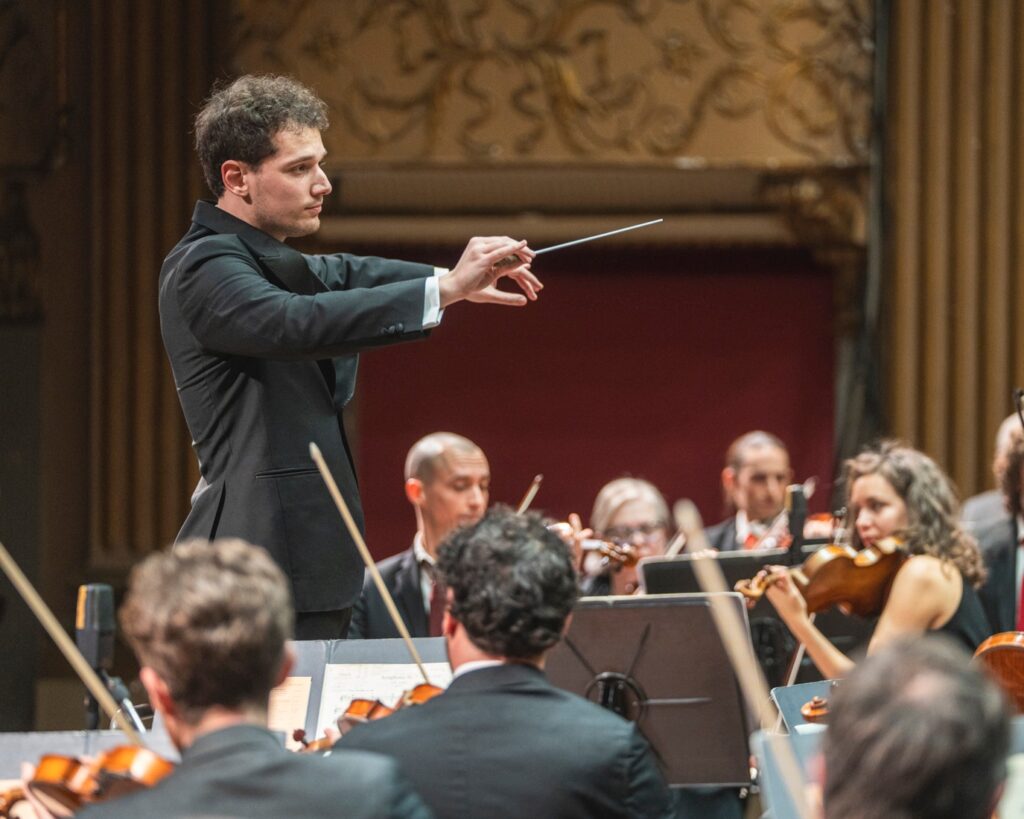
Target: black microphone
x: 94, y: 636
x: 95, y: 625
x: 95, y: 628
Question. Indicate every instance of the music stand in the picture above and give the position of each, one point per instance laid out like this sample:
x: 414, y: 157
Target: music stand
x: 660, y: 662
x: 772, y: 640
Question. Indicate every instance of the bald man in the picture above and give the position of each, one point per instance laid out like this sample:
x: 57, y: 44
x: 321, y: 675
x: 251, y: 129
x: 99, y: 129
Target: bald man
x: 447, y: 481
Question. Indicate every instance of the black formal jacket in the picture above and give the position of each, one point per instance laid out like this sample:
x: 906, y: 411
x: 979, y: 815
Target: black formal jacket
x: 370, y: 618
x: 722, y: 536
x: 243, y: 772
x: 998, y: 542
x: 504, y: 742
x: 261, y: 341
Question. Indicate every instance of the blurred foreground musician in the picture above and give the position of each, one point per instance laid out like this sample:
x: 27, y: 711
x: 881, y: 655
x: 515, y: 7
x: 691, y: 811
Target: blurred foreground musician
x: 915, y: 732
x: 754, y: 482
x: 502, y: 741
x: 208, y: 622
x: 447, y: 481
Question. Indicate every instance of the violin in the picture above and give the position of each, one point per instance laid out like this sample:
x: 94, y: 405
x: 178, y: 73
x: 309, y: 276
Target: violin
x: 1002, y: 656
x: 364, y: 710
x: 856, y: 582
x: 66, y: 783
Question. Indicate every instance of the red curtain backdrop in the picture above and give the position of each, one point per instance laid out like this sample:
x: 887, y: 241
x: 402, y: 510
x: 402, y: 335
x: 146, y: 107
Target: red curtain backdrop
x: 634, y: 362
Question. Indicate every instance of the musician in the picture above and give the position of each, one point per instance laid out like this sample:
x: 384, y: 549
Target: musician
x: 502, y: 741
x: 632, y: 513
x: 897, y: 491
x: 262, y: 340
x: 915, y: 732
x: 988, y: 507
x: 754, y: 482
x: 447, y: 481
x: 208, y: 623
x: 1001, y: 546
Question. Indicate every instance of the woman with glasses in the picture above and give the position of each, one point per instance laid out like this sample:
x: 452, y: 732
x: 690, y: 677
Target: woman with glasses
x: 630, y: 513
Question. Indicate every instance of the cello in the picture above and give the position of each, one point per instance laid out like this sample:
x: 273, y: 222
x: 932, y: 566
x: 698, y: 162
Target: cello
x: 1002, y: 656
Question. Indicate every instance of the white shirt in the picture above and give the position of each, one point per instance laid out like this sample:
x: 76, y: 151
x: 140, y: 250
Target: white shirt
x: 432, y: 311
x: 476, y: 665
x: 423, y: 556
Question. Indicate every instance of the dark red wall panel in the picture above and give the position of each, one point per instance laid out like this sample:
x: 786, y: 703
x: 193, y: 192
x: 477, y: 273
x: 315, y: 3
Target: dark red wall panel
x: 636, y: 362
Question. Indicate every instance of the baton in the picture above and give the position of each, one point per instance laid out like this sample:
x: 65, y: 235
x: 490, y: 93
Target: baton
x: 510, y: 260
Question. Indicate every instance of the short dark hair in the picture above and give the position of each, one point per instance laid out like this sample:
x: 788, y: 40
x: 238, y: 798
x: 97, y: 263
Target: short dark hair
x: 915, y: 732
x: 239, y: 121
x: 512, y: 583
x: 212, y: 620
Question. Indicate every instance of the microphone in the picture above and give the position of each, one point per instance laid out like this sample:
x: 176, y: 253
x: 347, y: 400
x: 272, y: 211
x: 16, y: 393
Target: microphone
x: 95, y: 627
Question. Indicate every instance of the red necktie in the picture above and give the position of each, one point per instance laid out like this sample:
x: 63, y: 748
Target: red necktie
x: 751, y: 541
x: 437, y: 600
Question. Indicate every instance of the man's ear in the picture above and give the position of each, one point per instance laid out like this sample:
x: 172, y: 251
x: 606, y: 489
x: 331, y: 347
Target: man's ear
x: 414, y: 491
x: 729, y: 480
x: 233, y: 175
x: 159, y: 693
x: 287, y: 664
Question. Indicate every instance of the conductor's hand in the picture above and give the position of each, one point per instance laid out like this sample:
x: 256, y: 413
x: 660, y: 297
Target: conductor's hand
x: 483, y: 262
x: 783, y: 594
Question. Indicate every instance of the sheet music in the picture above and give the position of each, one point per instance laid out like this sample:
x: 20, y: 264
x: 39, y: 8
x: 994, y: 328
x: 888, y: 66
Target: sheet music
x: 288, y: 705
x: 382, y: 681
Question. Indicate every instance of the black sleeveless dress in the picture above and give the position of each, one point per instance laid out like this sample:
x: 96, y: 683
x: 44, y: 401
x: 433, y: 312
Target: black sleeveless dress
x: 968, y: 626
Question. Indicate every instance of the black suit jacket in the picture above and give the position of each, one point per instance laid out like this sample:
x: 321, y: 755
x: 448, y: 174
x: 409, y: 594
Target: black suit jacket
x: 244, y: 772
x: 504, y: 742
x: 401, y: 576
x: 998, y: 542
x: 262, y: 342
x: 722, y: 536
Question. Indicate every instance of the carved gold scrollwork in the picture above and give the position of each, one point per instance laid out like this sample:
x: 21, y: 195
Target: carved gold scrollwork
x: 504, y: 80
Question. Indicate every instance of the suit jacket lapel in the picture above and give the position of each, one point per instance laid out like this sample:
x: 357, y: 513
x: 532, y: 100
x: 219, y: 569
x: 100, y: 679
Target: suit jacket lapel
x: 409, y: 595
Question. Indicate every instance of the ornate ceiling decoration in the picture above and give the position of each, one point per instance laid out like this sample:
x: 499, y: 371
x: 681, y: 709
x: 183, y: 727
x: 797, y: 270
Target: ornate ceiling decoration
x: 536, y: 81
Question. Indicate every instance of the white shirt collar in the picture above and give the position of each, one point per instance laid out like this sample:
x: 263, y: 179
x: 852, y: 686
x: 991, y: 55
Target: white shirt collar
x: 422, y: 555
x: 476, y: 665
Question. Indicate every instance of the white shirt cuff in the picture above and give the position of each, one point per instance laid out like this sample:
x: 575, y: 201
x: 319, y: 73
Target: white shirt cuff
x: 432, y: 312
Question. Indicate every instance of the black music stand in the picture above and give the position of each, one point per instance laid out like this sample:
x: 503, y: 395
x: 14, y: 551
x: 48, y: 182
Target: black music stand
x: 660, y: 662
x: 773, y: 643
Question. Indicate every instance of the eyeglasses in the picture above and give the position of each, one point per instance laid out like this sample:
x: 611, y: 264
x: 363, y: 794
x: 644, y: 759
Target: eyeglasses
x: 647, y: 532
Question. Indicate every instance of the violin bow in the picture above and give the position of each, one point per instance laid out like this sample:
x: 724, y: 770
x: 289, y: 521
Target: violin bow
x: 70, y: 651
x: 371, y: 567
x: 741, y: 655
x: 531, y: 493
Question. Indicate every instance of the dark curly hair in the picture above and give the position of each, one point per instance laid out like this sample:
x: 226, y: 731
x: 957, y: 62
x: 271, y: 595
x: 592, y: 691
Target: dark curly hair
x: 512, y: 582
x: 239, y: 121
x: 932, y: 505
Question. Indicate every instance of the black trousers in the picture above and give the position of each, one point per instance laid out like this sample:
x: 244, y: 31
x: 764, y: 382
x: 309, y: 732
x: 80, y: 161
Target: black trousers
x: 322, y: 625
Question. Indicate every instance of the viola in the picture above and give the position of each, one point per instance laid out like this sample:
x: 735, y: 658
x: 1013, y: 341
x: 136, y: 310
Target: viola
x: 856, y: 582
x: 1002, y: 655
x: 364, y: 710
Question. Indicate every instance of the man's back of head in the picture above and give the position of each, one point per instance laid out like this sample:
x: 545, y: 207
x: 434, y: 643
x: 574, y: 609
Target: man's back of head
x: 511, y: 584
x: 915, y: 732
